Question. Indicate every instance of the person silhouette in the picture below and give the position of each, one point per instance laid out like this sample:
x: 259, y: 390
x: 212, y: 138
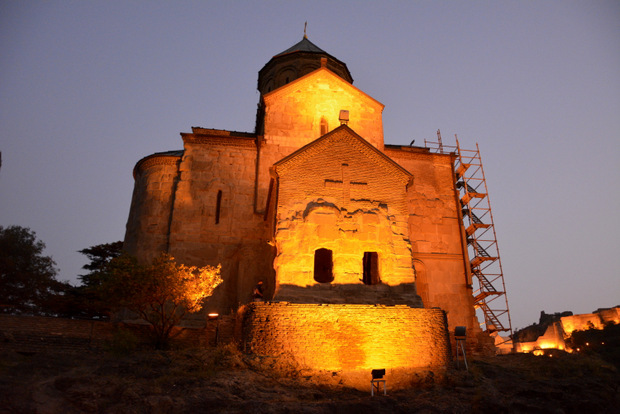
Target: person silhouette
x: 257, y: 293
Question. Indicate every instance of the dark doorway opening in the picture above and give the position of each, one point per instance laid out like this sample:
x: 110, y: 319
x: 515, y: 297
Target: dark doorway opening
x: 371, y: 268
x: 323, y: 266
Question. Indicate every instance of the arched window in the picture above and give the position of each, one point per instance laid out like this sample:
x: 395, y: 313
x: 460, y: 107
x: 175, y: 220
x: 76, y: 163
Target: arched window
x: 371, y: 268
x: 285, y: 76
x: 218, y: 206
x: 324, y: 128
x: 323, y: 266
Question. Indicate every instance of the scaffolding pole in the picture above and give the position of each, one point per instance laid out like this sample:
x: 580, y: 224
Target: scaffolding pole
x: 490, y: 297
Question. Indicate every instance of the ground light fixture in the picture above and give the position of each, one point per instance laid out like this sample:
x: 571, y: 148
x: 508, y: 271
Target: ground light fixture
x: 214, y: 316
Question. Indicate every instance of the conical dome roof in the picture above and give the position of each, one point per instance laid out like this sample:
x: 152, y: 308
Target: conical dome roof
x: 295, y: 62
x: 304, y: 45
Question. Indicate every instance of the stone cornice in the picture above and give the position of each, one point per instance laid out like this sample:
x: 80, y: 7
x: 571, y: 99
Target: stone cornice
x: 221, y: 132
x: 436, y: 256
x: 220, y: 139
x: 157, y: 159
x: 403, y: 152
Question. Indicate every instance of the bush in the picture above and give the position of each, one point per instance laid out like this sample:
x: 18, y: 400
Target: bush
x: 124, y: 342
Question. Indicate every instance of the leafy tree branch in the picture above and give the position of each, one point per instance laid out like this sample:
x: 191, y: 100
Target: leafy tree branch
x: 162, y: 292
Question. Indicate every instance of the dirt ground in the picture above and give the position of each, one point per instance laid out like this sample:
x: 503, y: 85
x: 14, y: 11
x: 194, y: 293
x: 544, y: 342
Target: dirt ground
x: 221, y: 380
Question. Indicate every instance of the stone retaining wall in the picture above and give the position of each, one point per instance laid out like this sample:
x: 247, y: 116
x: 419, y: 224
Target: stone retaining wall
x: 36, y: 334
x: 351, y: 340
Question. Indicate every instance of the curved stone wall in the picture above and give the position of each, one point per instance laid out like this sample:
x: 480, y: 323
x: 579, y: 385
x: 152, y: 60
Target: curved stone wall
x: 151, y: 206
x: 351, y: 340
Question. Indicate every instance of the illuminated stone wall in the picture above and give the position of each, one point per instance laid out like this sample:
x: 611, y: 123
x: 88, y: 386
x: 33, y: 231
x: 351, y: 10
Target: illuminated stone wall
x: 587, y: 321
x: 435, y: 230
x: 210, y: 165
x: 557, y: 332
x: 151, y: 206
x: 293, y: 113
x: 227, y: 232
x: 350, y: 339
x: 175, y: 209
x: 553, y: 338
x: 340, y: 194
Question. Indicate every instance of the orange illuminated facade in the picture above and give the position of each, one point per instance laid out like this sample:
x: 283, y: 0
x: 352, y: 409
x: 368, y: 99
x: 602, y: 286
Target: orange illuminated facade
x: 558, y: 332
x: 317, y: 206
x: 351, y: 340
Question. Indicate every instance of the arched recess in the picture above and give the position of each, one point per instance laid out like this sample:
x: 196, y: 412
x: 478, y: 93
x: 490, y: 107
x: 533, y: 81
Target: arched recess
x: 270, y: 84
x: 286, y: 75
x: 323, y: 266
x: 422, y: 282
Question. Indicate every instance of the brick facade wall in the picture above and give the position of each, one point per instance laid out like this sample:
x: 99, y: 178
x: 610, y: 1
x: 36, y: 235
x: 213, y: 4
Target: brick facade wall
x: 341, y: 194
x: 440, y: 256
x: 293, y: 113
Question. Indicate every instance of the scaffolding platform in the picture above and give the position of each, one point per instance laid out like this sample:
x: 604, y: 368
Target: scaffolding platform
x: 485, y: 264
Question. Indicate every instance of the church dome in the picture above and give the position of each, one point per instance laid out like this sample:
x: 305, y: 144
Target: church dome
x: 295, y: 62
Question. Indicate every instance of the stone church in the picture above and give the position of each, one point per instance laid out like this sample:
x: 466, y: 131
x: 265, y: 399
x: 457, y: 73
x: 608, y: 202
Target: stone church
x: 313, y: 202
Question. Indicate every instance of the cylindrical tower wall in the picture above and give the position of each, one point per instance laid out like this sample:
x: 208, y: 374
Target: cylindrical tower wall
x: 151, y: 206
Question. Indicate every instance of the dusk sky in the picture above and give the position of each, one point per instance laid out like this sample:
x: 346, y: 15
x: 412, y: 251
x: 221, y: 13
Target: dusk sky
x: 87, y: 88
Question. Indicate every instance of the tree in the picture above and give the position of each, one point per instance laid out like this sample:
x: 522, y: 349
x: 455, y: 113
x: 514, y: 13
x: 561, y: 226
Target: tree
x: 86, y: 301
x: 28, y: 282
x: 162, y: 292
x: 100, y: 257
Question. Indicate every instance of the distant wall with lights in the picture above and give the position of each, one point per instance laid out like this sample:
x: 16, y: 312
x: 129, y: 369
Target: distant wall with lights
x: 350, y: 340
x: 557, y: 332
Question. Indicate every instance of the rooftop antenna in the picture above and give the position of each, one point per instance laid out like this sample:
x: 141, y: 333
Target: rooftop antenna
x: 305, y: 26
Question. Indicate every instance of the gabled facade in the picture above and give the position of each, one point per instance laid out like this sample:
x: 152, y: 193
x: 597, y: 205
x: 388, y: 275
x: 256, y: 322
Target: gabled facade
x: 342, y: 198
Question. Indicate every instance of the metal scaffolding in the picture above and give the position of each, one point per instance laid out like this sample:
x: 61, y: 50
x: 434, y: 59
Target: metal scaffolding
x: 485, y: 263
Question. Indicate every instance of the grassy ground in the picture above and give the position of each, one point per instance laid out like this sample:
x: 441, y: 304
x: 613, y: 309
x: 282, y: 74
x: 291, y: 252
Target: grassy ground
x: 223, y: 380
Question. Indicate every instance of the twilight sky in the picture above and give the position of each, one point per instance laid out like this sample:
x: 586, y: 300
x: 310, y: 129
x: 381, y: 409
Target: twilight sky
x: 89, y: 88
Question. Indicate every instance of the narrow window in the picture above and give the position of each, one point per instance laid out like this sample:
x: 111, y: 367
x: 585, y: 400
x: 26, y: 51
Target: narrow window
x: 371, y: 268
x: 323, y: 266
x: 324, y: 128
x: 218, y: 207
